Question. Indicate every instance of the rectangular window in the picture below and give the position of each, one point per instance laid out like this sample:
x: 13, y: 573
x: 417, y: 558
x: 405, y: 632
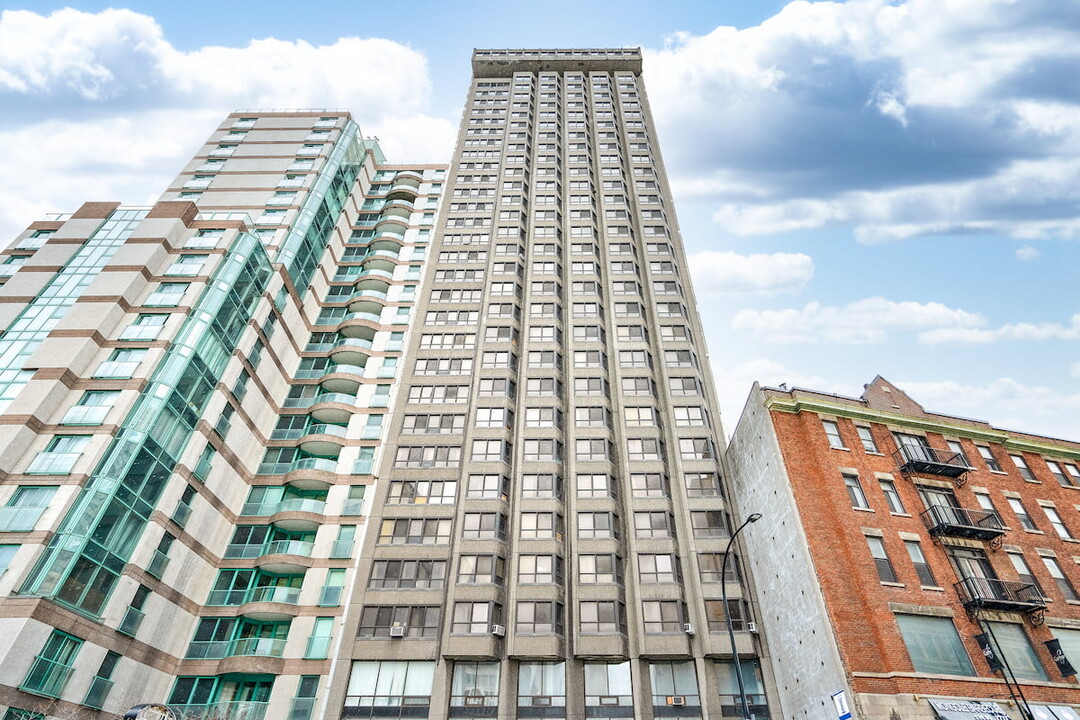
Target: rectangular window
x: 1057, y: 523
x: 1021, y: 513
x: 717, y: 618
x: 934, y: 646
x: 1013, y: 645
x: 407, y: 574
x: 955, y: 447
x: 601, y: 617
x: 867, y: 439
x: 988, y: 457
x: 881, y: 559
x: 475, y: 618
x: 1058, y: 473
x: 1022, y: 468
x: 832, y: 432
x: 539, y: 617
x: 166, y: 295
x: 922, y: 568
x: 390, y: 683
x: 25, y: 508
x: 481, y: 570
x: 663, y: 616
x: 53, y: 666
x: 855, y: 492
x: 892, y: 497
x: 1060, y: 578
x: 659, y: 568
x: 418, y: 621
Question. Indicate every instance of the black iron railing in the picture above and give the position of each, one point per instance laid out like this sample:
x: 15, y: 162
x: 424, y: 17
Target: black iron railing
x: 993, y: 594
x: 931, y: 461
x: 963, y: 522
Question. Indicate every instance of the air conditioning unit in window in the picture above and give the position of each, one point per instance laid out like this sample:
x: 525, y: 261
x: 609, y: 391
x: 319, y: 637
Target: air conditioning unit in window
x: 676, y: 700
x: 498, y: 630
x: 751, y: 627
x: 688, y: 628
x: 398, y: 631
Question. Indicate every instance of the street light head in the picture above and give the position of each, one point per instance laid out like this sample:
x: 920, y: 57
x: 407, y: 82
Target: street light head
x: 754, y: 517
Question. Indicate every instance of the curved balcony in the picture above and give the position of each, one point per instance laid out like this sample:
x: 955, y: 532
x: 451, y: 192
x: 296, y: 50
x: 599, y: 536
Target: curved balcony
x: 342, y: 378
x: 352, y: 351
x: 393, y: 223
x: 294, y: 514
x: 335, y: 408
x: 410, y: 178
x: 271, y: 603
x: 404, y: 191
x: 398, y: 207
x: 374, y: 274
x: 284, y: 557
x: 312, y: 473
x: 389, y: 240
x: 325, y: 440
x: 360, y: 325
x: 383, y: 260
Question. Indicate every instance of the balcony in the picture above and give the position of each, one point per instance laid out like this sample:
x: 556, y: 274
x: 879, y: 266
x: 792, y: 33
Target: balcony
x: 52, y: 463
x: 133, y: 619
x: 221, y: 711
x: 947, y: 521
x: 991, y: 594
x: 929, y: 461
x: 239, y: 647
x: 98, y: 692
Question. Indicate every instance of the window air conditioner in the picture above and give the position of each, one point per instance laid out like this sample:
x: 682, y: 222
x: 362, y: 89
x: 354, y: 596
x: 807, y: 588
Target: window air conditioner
x: 751, y: 627
x: 677, y: 700
x: 498, y: 630
x: 398, y: 631
x: 688, y: 628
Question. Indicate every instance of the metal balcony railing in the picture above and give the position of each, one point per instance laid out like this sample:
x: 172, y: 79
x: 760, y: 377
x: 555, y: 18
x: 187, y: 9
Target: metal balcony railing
x: 993, y: 594
x: 929, y: 461
x: 962, y: 522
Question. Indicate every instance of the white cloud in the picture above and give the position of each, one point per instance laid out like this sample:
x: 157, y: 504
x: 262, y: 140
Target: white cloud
x: 730, y: 272
x: 860, y: 322
x: 896, y: 118
x: 128, y: 108
x: 1004, y: 402
x: 1027, y: 253
x: 1024, y: 332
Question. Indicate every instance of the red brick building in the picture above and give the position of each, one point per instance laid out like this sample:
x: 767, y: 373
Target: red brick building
x: 895, y: 543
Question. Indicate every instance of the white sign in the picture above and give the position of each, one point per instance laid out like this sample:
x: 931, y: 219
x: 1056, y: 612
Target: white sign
x: 968, y: 710
x: 840, y: 701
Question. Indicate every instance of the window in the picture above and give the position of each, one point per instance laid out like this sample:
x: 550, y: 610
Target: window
x: 1013, y: 645
x: 662, y: 616
x: 702, y: 484
x: 1060, y: 579
x: 717, y: 618
x: 956, y: 447
x: 1058, y: 473
x: 1021, y: 514
x: 1023, y: 571
x: 52, y: 668
x: 475, y: 618
x: 543, y: 485
x: 892, y: 497
x: 881, y: 559
x: 855, y: 492
x: 1022, y: 467
x: 711, y: 566
x: 481, y: 570
x: 691, y: 416
x: 644, y: 449
x: 608, y: 684
x: 597, y: 525
x: 540, y: 526
x: 474, y: 684
x: 922, y: 568
x: 419, y: 621
x: 483, y: 526
x: 599, y: 569
x: 675, y: 679
x: 539, y: 569
x: 648, y: 485
x: 539, y: 617
x: 594, y: 485
x: 541, y: 684
x: 832, y: 432
x: 934, y: 646
x: 407, y: 574
x: 696, y: 449
x: 146, y: 327
x: 25, y: 508
x: 1057, y: 523
x: 653, y: 524
x: 601, y: 617
x: 867, y: 439
x: 659, y: 568
x: 422, y: 492
x: 414, y: 531
x: 488, y: 487
x: 166, y: 295
x: 988, y: 457
x: 59, y: 456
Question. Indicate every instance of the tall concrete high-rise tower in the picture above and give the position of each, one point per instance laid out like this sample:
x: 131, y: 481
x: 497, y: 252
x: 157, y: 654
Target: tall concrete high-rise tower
x: 547, y: 537
x: 320, y: 436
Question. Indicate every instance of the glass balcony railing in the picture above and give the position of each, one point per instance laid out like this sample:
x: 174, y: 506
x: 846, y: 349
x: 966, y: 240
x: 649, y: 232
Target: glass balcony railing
x: 312, y: 463
x: 46, y: 677
x: 116, y: 369
x: 133, y: 619
x: 143, y: 333
x: 19, y: 519
x: 331, y: 370
x: 182, y: 513
x: 158, y: 564
x: 239, y: 647
x: 302, y: 708
x: 221, y: 711
x: 274, y: 594
x: 337, y: 431
x: 85, y: 415
x: 287, y: 505
x: 52, y: 463
x: 322, y: 398
x: 240, y: 551
x: 331, y: 596
x: 98, y: 692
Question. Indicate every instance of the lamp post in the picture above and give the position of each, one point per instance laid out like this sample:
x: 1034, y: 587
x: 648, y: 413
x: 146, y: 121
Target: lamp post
x: 754, y: 517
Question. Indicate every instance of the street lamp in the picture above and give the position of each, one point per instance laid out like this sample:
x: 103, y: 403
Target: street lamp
x: 754, y: 517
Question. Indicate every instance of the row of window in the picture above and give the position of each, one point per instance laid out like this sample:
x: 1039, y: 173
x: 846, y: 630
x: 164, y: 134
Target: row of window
x: 1067, y: 474
x: 543, y: 617
x: 549, y: 450
x: 545, y: 569
x: 608, y: 687
x: 547, y: 526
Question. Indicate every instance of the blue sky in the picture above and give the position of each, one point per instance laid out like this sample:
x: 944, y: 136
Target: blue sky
x: 866, y: 187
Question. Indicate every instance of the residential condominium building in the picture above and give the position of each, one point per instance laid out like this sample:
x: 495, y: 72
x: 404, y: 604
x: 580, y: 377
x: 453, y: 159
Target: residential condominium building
x: 916, y: 565
x: 547, y: 536
x: 193, y: 397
